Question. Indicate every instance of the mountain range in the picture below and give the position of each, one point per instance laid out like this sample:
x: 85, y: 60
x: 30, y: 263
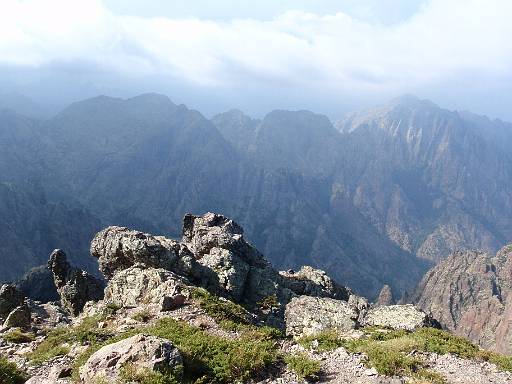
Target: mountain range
x: 376, y: 198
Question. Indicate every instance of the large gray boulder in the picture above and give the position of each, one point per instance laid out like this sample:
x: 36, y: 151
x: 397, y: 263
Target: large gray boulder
x: 140, y: 284
x: 398, y: 317
x: 313, y: 282
x: 75, y: 287
x: 118, y: 248
x: 141, y: 351
x: 19, y: 317
x: 10, y: 298
x: 306, y: 315
x: 202, y: 233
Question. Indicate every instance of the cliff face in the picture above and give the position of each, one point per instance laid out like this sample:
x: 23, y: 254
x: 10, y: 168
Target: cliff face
x: 432, y: 180
x: 470, y: 293
x: 385, y: 191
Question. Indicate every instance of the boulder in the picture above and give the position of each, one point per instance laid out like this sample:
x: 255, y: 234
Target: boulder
x: 306, y: 315
x: 37, y: 284
x: 19, y: 317
x: 10, y: 298
x: 202, y: 233
x: 118, y: 248
x: 140, y: 351
x: 313, y: 282
x: 143, y: 285
x: 75, y: 287
x: 230, y: 273
x: 385, y: 297
x: 398, y: 317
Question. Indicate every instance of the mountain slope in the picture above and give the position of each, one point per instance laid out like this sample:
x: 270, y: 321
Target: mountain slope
x: 470, y: 293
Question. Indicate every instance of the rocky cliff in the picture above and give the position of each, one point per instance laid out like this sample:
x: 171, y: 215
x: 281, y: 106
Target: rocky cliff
x: 470, y: 293
x: 392, y: 189
x: 210, y: 308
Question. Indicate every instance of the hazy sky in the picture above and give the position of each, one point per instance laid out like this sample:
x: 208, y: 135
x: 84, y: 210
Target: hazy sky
x: 329, y: 56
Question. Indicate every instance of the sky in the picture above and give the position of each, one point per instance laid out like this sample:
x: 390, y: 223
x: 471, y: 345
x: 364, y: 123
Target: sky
x: 329, y: 56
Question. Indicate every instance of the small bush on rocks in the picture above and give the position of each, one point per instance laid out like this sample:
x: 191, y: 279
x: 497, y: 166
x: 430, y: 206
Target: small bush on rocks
x: 9, y: 373
x: 57, y: 341
x: 132, y: 374
x: 18, y: 337
x: 303, y: 366
x: 221, y: 310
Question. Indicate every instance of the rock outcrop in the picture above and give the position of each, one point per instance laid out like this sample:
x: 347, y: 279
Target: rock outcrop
x: 140, y: 352
x: 306, y: 315
x: 385, y: 296
x: 140, y: 284
x: 314, y: 282
x: 470, y: 293
x: 10, y: 298
x: 118, y: 248
x: 405, y: 317
x: 37, y: 284
x: 19, y: 317
x: 75, y: 287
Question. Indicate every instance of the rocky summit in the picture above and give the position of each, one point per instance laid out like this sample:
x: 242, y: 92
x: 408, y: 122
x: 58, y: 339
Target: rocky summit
x: 209, y: 308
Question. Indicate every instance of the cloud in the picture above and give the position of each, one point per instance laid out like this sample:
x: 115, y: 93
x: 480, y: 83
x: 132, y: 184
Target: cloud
x: 445, y: 39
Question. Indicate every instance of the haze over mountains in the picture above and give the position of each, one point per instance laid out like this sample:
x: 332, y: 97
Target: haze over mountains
x: 374, y: 199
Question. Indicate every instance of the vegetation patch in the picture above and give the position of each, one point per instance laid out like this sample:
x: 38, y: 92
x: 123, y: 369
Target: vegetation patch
x: 143, y: 316
x: 9, y: 373
x: 503, y: 362
x: 18, y: 337
x: 58, y: 340
x: 327, y: 341
x: 303, y: 366
x: 221, y: 310
x: 132, y: 374
x: 213, y: 359
x: 207, y: 358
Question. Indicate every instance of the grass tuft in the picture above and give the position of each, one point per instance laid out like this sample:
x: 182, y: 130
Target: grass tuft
x: 57, y: 341
x: 221, y: 310
x: 9, y: 373
x: 303, y: 366
x: 18, y: 337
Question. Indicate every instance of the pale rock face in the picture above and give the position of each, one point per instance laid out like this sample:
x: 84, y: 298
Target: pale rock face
x: 398, y: 317
x: 231, y: 270
x: 19, y: 317
x: 139, y: 284
x: 306, y: 315
x: 146, y: 352
x: 118, y: 248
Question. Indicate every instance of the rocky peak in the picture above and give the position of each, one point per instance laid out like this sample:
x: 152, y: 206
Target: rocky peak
x: 75, y: 286
x: 385, y: 296
x: 470, y: 293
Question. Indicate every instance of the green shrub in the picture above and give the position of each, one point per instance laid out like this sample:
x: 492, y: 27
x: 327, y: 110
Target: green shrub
x: 18, y: 337
x: 214, y: 359
x: 143, y: 316
x: 327, y: 341
x: 9, y: 373
x: 303, y: 366
x: 207, y: 358
x: 442, y: 342
x: 503, y: 362
x: 57, y: 340
x: 132, y: 374
x: 219, y: 309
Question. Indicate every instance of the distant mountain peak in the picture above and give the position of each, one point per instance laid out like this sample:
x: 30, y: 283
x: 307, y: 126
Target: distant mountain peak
x: 410, y: 100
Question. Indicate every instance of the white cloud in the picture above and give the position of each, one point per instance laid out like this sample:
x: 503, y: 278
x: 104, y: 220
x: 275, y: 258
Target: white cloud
x: 444, y: 39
